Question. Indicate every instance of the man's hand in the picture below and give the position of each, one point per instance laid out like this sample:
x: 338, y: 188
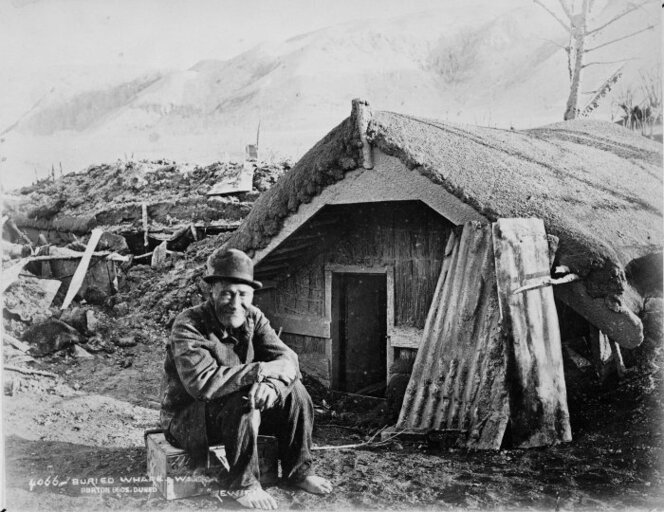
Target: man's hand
x: 280, y: 369
x: 262, y: 396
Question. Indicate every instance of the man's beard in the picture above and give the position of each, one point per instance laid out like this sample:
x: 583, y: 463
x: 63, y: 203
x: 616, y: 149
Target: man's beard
x: 232, y: 317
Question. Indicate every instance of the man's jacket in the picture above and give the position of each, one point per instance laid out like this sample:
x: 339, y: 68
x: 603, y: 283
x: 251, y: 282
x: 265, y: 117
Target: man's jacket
x: 206, y: 361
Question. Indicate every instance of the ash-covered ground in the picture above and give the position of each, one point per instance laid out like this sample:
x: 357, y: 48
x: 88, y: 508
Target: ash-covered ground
x: 81, y: 424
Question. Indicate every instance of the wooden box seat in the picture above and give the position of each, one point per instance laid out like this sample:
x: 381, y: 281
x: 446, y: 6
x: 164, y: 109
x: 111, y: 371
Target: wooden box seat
x: 174, y: 476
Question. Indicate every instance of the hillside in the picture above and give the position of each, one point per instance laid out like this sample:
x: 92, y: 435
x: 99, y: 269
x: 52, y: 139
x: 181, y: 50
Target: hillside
x: 460, y: 63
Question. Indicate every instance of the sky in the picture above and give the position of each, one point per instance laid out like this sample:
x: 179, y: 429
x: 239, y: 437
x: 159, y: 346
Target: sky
x: 43, y: 40
x: 54, y: 48
x: 173, y: 32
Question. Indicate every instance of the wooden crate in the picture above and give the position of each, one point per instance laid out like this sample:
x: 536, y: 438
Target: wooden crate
x: 174, y: 476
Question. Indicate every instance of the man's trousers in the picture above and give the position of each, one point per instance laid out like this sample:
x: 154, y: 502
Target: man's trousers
x: 230, y: 421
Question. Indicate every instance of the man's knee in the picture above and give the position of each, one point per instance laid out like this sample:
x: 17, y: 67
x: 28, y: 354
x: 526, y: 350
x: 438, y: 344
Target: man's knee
x: 299, y: 397
x: 231, y: 411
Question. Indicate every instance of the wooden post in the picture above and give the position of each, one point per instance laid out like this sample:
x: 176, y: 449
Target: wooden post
x: 363, y: 116
x: 144, y: 215
x: 617, y: 359
x: 12, y: 226
x: 600, y: 349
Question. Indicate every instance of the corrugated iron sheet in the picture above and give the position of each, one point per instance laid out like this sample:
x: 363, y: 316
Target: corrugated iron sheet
x: 458, y: 382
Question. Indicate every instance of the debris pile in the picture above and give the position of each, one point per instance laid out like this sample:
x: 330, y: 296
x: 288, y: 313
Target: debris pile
x: 125, y: 198
x: 103, y: 260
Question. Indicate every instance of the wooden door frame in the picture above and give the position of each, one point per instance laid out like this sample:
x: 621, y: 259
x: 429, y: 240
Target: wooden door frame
x: 388, y: 270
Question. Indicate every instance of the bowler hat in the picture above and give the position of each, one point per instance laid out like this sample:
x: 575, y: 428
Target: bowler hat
x: 231, y: 265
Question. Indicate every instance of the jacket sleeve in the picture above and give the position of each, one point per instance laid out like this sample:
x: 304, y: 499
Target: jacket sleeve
x: 200, y: 373
x: 269, y: 347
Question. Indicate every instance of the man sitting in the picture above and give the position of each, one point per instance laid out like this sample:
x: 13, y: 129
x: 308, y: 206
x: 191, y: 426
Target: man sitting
x: 227, y: 373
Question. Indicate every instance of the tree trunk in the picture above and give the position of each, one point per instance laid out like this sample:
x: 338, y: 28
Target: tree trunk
x: 575, y: 56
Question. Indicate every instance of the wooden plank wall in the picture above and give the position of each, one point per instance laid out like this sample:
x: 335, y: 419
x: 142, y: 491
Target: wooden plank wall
x: 314, y: 355
x: 458, y: 380
x: 407, y: 235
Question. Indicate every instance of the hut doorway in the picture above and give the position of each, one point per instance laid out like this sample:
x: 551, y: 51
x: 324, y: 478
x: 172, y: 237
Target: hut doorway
x: 359, y: 331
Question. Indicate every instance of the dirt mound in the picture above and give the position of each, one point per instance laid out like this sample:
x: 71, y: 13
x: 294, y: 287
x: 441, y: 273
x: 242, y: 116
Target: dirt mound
x: 118, y: 197
x: 110, y: 185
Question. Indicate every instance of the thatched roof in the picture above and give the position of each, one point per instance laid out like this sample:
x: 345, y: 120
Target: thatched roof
x: 596, y: 185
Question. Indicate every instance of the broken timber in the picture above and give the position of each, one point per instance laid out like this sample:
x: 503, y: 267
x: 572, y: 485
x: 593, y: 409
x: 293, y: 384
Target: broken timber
x: 81, y: 270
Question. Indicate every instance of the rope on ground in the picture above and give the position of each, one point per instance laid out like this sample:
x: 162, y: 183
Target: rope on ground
x: 27, y: 371
x: 369, y: 442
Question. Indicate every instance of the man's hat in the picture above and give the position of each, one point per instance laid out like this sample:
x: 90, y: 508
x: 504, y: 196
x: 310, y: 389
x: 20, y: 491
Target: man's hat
x: 231, y: 265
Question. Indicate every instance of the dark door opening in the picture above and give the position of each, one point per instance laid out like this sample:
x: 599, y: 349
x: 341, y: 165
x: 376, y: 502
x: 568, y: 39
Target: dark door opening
x: 359, y: 330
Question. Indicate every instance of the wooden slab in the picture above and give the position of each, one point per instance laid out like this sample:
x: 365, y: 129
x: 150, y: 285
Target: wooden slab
x: 172, y: 471
x: 316, y: 327
x: 540, y: 415
x: 240, y: 182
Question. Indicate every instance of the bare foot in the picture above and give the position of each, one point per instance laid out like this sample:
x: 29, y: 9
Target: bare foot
x: 315, y: 484
x: 254, y: 498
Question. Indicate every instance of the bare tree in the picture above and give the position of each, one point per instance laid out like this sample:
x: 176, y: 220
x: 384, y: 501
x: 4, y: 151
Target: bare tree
x: 575, y: 20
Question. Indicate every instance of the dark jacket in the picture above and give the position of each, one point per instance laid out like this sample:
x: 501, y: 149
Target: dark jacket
x: 206, y: 361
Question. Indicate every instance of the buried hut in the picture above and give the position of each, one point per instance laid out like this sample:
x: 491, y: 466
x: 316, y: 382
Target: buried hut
x: 471, y: 251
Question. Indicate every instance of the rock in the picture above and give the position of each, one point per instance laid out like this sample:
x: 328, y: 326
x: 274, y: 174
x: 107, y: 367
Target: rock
x: 80, y: 353
x: 51, y: 336
x: 98, y: 344
x: 12, y: 385
x: 96, y: 296
x: 126, y: 341
x: 76, y: 246
x: 40, y: 317
x: 396, y: 389
x: 652, y: 317
x: 653, y: 325
x: 93, y: 321
x: 121, y: 308
x: 76, y: 317
x: 112, y: 242
x: 159, y: 256
x: 29, y: 297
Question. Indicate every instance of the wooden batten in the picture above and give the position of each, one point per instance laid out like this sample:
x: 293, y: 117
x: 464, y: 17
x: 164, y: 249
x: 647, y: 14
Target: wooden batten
x: 539, y: 414
x: 266, y: 269
x: 302, y: 325
x: 606, y: 355
x: 405, y: 337
x: 284, y: 251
